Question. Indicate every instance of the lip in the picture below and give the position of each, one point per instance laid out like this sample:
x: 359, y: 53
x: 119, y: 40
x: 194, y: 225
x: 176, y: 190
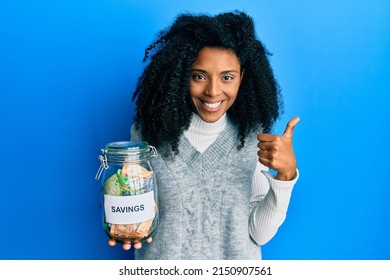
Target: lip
x: 211, y: 108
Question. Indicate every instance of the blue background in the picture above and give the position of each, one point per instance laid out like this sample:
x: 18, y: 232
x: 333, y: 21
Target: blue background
x: 67, y: 73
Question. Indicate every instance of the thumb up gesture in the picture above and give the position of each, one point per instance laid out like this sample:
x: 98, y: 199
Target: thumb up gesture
x: 276, y: 152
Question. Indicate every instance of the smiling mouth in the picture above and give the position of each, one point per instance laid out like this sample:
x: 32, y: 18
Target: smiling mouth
x: 211, y: 106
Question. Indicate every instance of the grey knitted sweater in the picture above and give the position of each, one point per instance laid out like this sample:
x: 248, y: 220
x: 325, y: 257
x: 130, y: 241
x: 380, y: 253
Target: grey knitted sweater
x: 204, y: 202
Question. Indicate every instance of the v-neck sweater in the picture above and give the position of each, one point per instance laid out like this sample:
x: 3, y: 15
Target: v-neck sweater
x: 209, y: 206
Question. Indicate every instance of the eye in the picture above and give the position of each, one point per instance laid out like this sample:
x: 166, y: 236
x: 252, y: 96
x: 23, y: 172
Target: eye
x: 227, y: 78
x: 198, y: 77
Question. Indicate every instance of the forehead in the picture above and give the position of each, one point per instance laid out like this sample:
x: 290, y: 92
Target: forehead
x: 216, y: 57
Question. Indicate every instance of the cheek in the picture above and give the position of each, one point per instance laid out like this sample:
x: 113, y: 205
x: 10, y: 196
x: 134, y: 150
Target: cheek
x: 193, y: 95
x: 195, y: 89
x: 232, y: 99
x: 192, y: 90
x: 233, y: 94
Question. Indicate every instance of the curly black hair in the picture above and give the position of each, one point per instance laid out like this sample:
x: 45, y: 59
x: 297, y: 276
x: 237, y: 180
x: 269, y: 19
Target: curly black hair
x: 163, y: 108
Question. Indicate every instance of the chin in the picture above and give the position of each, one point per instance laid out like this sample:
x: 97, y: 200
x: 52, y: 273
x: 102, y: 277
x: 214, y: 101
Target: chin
x: 210, y: 119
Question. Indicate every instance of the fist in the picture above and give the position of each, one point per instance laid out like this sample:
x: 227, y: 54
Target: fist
x: 276, y: 152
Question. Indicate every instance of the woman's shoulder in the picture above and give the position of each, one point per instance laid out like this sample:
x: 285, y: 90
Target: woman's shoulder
x: 250, y: 135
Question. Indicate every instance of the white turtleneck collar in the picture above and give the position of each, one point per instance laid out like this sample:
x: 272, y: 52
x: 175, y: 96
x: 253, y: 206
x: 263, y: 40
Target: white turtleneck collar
x: 202, y: 134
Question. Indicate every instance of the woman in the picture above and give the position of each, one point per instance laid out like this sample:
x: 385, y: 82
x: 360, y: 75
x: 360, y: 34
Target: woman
x: 206, y: 101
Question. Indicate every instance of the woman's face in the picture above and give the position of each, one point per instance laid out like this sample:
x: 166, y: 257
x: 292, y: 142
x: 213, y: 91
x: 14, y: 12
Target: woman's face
x: 214, y: 82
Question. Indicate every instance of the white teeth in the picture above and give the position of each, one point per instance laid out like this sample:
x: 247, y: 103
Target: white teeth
x: 212, y: 105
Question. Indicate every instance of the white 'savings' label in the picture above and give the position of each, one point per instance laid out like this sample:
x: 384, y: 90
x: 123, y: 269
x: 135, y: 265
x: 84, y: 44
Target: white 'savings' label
x: 132, y: 209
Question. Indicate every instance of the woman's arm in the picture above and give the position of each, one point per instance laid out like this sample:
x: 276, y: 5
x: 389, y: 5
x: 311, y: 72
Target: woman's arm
x: 269, y: 204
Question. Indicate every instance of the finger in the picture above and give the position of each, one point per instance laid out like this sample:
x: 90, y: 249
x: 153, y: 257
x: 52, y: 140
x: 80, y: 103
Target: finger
x: 264, y: 154
x: 112, y: 242
x: 290, y: 127
x: 149, y: 240
x: 126, y: 244
x: 266, y: 162
x: 267, y: 146
x: 264, y: 137
x: 137, y: 245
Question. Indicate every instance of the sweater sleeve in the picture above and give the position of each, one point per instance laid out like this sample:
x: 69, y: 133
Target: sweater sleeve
x: 269, y: 203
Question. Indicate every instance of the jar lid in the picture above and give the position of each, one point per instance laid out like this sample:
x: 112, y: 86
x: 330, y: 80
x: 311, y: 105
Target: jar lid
x: 131, y: 150
x: 128, y: 146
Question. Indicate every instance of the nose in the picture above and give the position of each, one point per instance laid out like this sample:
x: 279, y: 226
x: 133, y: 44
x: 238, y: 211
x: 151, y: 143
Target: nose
x: 212, y: 88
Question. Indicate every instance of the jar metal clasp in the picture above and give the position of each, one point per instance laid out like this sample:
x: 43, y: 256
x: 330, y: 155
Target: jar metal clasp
x: 103, y: 164
x: 153, y: 151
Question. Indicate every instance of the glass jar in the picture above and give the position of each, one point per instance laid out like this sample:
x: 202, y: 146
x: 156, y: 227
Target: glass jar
x: 129, y: 191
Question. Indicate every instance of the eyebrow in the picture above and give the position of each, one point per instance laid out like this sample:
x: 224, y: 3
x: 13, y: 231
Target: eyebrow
x: 223, y: 72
